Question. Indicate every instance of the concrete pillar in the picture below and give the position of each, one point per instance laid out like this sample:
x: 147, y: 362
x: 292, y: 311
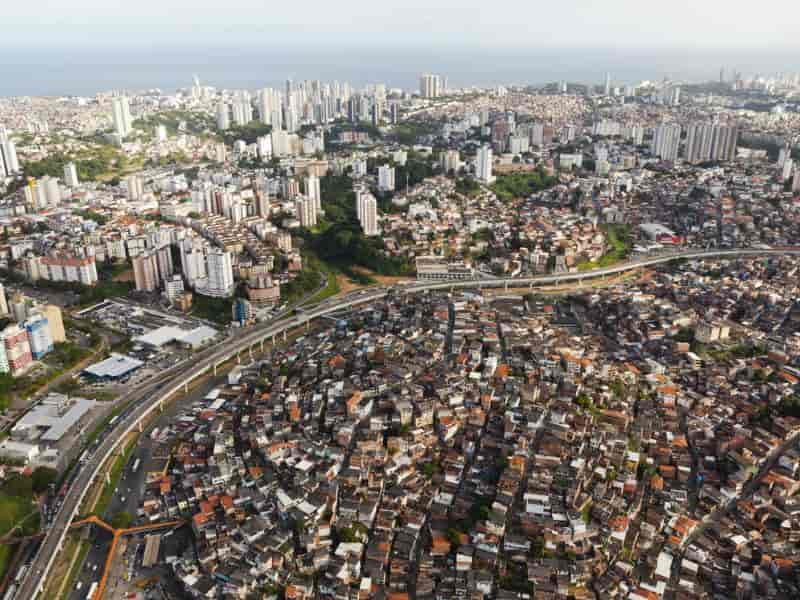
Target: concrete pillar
x: 215, y: 369
x: 262, y: 344
x: 186, y: 387
x: 308, y: 325
x: 505, y: 285
x: 238, y: 358
x: 141, y: 427
x: 273, y: 339
x: 161, y: 406
x: 284, y: 335
x: 108, y: 478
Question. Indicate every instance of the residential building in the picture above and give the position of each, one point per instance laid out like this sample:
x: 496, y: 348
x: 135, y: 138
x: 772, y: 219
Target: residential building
x: 483, y: 165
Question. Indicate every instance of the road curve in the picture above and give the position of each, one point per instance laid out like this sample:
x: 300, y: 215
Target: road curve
x: 153, y: 395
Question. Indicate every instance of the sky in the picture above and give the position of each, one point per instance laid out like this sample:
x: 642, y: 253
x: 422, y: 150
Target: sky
x: 484, y: 23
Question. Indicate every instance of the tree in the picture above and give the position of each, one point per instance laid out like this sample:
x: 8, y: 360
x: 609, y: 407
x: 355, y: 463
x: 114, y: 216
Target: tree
x: 41, y: 479
x: 122, y: 520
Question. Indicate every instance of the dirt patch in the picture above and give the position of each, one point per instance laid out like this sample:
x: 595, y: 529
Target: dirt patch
x: 382, y: 279
x: 125, y: 276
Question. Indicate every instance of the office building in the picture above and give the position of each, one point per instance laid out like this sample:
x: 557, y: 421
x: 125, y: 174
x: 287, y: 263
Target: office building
x: 145, y: 272
x: 71, y: 175
x: 666, y: 141
x: 121, y: 115
x: 788, y: 168
x: 483, y: 164
x: 3, y: 301
x: 536, y: 133
x: 386, y: 178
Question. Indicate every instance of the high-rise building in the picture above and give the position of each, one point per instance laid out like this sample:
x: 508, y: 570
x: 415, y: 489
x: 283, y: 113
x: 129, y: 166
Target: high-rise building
x: 483, y: 164
x: 796, y: 180
x: 145, y: 272
x: 121, y: 114
x: 220, y: 274
x: 17, y: 348
x: 39, y: 338
x: 56, y: 322
x: 706, y: 141
x: 135, y: 188
x: 666, y: 141
x: 313, y: 191
x: 265, y: 106
x: 173, y: 288
x: 49, y: 192
x: 9, y: 163
x: 537, y: 134
x: 71, y: 175
x: 788, y: 168
x: 161, y: 133
x: 306, y: 212
x: 607, y: 89
x: 223, y: 117
x: 164, y: 260
x: 367, y: 210
x: 3, y: 301
x: 451, y: 161
x: 429, y: 85
x: 386, y: 178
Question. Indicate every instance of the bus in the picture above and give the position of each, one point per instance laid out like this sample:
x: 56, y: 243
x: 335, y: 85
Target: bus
x: 135, y: 466
x: 113, y: 420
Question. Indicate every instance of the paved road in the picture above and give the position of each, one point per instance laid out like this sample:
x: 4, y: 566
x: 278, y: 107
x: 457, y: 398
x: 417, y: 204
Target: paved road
x: 153, y: 394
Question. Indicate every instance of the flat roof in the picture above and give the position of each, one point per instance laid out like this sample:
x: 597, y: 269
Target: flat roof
x: 168, y: 334
x: 116, y: 365
x: 48, y: 416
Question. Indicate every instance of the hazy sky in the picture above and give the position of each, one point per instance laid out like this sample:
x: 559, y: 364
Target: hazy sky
x: 535, y: 23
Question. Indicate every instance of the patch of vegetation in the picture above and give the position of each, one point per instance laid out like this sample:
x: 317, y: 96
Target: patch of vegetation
x: 339, y: 238
x: 409, y: 132
x: 249, y: 133
x: 217, y: 310
x: 467, y: 186
x: 620, y: 241
x: 522, y: 185
x: 195, y: 122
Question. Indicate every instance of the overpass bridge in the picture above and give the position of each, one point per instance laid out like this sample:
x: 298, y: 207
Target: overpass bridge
x: 208, y: 361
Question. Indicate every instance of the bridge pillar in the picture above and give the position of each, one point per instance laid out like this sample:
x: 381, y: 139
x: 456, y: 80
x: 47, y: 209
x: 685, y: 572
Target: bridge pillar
x: 108, y: 478
x: 273, y: 339
x: 284, y: 335
x: 238, y: 358
x: 141, y: 427
x: 161, y: 406
x: 308, y: 324
x: 262, y: 344
x: 250, y: 350
x: 186, y: 387
x: 215, y: 369
x: 505, y: 285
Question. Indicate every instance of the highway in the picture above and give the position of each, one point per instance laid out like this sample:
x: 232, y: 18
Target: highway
x: 148, y: 399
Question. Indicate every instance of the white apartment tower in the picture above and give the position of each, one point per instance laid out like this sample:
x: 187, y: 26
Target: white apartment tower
x: 483, y: 165
x: 666, y: 141
x: 71, y: 175
x: 386, y: 178
x: 121, y: 114
x: 220, y: 274
x: 313, y: 191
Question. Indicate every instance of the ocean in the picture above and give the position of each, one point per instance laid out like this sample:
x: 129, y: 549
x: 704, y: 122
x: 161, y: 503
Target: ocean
x: 60, y: 71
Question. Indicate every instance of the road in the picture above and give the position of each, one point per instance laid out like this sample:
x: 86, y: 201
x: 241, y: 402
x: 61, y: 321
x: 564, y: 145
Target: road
x: 156, y: 393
